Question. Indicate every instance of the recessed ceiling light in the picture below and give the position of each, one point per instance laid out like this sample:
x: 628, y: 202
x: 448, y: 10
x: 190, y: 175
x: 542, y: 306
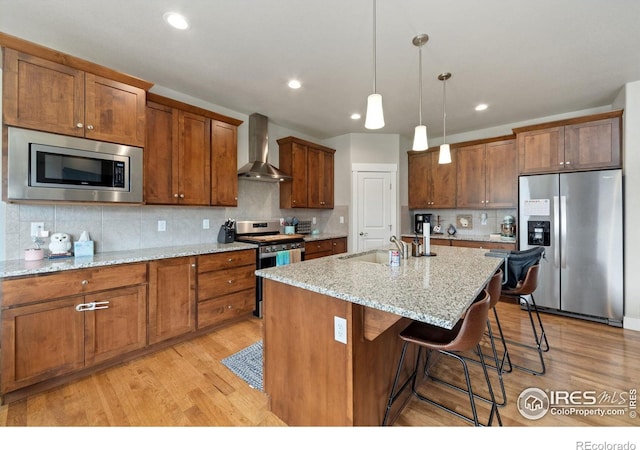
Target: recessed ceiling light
x: 355, y: 116
x: 294, y: 84
x: 482, y: 107
x: 176, y: 20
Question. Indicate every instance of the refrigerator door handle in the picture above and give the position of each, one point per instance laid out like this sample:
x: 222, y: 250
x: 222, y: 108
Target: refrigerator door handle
x: 563, y: 230
x: 556, y: 231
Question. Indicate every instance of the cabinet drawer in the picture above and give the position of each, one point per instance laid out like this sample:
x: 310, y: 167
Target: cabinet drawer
x: 212, y: 312
x: 318, y: 247
x: 222, y: 282
x: 226, y: 260
x: 72, y: 282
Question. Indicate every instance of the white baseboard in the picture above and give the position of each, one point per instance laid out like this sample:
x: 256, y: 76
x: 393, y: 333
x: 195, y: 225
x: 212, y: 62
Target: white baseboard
x: 631, y: 323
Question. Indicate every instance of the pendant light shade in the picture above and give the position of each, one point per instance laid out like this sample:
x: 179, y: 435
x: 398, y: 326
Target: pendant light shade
x: 420, y: 140
x: 445, y: 151
x: 375, y: 114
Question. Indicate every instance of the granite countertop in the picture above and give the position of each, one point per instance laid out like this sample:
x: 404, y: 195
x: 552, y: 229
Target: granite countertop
x: 466, y: 237
x: 19, y: 267
x: 323, y: 236
x: 436, y: 289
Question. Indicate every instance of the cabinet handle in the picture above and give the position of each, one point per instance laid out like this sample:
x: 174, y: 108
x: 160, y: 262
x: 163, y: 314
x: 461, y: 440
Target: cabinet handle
x: 230, y: 281
x: 89, y: 127
x: 230, y: 259
x: 562, y: 163
x: 79, y: 125
x: 85, y: 282
x: 567, y: 162
x: 229, y: 306
x: 92, y: 306
x: 181, y: 195
x: 175, y: 195
x: 193, y: 265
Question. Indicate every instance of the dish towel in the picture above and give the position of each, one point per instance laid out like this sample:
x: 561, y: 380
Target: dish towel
x: 295, y: 255
x: 282, y: 258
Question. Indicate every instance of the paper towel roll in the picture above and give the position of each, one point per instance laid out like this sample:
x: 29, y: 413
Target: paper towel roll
x: 426, y: 236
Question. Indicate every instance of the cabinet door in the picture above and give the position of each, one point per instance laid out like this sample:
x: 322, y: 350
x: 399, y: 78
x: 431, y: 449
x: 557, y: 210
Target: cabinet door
x: 471, y: 177
x: 224, y: 164
x: 419, y: 167
x: 592, y: 145
x: 320, y: 178
x: 114, y: 111
x: 172, y: 298
x: 117, y: 329
x: 42, y: 95
x: 443, y: 184
x: 161, y: 155
x: 541, y: 151
x: 299, y: 173
x: 41, y: 341
x: 501, y: 174
x: 194, y: 160
x: 339, y: 245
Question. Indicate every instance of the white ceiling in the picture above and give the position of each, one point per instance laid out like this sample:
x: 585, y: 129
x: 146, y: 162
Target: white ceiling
x: 526, y: 58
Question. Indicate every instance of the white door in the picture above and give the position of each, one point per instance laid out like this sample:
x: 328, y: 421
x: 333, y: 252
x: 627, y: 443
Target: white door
x: 375, y: 203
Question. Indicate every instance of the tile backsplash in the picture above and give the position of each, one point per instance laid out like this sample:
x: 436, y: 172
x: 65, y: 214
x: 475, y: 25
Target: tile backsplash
x: 483, y: 221
x: 115, y: 227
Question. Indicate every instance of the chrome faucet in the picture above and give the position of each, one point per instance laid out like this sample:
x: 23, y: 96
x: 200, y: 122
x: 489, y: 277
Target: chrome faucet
x: 399, y: 245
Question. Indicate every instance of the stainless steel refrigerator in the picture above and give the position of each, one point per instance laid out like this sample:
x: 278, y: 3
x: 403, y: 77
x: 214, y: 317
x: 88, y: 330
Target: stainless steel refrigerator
x: 577, y: 217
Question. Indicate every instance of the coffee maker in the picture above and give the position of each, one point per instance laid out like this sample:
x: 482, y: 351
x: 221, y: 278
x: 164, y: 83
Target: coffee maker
x: 419, y: 222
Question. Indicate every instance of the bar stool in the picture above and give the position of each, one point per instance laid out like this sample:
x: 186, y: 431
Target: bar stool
x: 527, y: 287
x: 494, y: 288
x: 465, y: 335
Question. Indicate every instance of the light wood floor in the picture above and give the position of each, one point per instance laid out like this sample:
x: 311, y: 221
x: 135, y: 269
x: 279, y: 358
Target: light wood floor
x: 187, y: 385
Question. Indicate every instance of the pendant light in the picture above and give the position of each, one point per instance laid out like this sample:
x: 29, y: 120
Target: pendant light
x: 420, y: 141
x: 445, y: 152
x: 375, y: 115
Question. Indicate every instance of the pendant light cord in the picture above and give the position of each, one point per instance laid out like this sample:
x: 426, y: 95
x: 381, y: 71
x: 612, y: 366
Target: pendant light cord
x: 374, y: 47
x: 444, y: 113
x: 420, y: 82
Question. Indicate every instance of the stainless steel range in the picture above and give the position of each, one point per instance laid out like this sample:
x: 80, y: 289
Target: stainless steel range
x: 274, y: 248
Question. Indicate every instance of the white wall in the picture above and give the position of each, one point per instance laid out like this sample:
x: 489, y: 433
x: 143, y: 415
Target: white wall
x: 630, y: 100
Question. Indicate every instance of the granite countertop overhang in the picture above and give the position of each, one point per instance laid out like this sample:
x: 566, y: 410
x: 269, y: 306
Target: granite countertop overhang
x: 435, y: 290
x: 19, y: 267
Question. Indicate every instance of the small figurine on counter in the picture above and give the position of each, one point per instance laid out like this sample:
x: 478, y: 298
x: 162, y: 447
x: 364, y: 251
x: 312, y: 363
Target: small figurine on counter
x: 451, y: 230
x: 60, y: 244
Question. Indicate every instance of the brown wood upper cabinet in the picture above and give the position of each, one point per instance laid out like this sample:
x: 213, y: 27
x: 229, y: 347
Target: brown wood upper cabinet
x: 191, y: 156
x: 44, y: 95
x: 487, y: 175
x: 584, y: 143
x: 431, y: 185
x: 312, y: 168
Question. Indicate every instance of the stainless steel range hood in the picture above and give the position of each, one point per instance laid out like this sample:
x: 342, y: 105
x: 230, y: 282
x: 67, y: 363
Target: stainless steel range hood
x: 258, y: 167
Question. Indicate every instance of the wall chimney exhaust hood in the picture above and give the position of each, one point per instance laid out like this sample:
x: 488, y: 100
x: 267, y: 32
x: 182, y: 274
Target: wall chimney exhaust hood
x: 258, y: 167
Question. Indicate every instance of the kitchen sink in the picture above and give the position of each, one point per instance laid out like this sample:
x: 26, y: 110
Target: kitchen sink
x: 372, y: 256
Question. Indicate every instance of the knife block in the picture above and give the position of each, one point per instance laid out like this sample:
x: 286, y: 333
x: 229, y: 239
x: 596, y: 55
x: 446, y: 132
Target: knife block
x: 226, y: 235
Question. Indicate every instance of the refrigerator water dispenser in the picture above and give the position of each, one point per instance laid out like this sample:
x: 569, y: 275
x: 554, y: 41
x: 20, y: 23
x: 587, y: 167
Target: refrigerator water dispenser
x: 539, y: 232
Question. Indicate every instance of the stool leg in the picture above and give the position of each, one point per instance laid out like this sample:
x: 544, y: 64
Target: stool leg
x: 393, y: 396
x: 539, y: 338
x: 494, y: 405
x: 505, y: 355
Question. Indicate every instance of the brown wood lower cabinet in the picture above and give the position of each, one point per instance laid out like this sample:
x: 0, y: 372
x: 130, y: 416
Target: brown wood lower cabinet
x: 45, y: 339
x: 172, y: 298
x: 324, y: 247
x: 61, y: 326
x: 226, y: 286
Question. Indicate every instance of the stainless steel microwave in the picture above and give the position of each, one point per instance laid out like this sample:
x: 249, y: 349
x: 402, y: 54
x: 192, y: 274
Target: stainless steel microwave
x: 51, y: 167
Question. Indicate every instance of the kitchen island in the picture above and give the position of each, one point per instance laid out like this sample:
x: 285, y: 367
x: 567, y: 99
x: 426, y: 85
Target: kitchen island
x: 331, y: 327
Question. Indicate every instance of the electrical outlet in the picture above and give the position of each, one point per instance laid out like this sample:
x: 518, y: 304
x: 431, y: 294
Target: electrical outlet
x: 341, y: 219
x: 340, y: 329
x: 205, y: 224
x: 162, y: 225
x: 36, y: 228
x: 313, y: 220
x: 281, y: 221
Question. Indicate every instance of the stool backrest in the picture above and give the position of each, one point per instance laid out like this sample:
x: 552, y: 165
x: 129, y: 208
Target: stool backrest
x: 530, y: 282
x: 473, y: 325
x: 518, y: 263
x: 494, y: 287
